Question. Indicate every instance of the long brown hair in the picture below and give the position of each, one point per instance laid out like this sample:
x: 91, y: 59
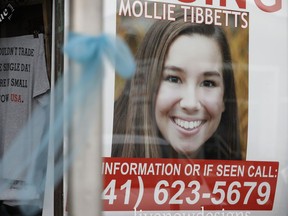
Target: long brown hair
x: 135, y: 129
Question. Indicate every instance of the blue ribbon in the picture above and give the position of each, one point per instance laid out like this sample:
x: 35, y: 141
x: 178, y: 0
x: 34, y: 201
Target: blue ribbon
x: 88, y: 50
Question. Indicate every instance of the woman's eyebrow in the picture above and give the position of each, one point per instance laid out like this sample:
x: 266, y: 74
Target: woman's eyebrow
x: 212, y: 73
x: 173, y: 68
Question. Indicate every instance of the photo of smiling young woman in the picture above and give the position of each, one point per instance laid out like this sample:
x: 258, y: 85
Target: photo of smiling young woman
x: 181, y: 103
x: 189, y: 103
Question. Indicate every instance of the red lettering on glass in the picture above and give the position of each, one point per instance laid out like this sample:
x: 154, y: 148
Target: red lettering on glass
x: 242, y: 4
x: 273, y: 8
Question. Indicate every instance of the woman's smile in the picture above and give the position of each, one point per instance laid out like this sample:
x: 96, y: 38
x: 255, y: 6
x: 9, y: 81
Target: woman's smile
x: 187, y: 125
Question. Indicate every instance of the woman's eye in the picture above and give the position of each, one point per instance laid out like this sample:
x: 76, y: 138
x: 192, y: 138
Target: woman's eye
x: 208, y: 83
x: 173, y: 79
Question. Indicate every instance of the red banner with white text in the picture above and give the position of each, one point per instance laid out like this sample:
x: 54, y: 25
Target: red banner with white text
x: 169, y: 184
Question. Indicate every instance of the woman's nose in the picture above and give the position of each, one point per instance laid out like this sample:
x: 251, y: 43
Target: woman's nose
x: 189, y: 100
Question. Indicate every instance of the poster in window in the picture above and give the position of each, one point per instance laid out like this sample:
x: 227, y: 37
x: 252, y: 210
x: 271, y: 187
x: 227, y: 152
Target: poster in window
x: 200, y: 128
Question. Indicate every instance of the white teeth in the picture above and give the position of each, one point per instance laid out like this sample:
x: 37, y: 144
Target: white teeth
x: 188, y: 124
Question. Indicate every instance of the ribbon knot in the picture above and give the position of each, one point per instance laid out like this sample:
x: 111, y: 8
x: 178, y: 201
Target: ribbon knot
x: 89, y: 50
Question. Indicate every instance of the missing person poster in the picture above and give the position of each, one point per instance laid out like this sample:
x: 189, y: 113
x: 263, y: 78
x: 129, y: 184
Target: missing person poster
x: 201, y: 128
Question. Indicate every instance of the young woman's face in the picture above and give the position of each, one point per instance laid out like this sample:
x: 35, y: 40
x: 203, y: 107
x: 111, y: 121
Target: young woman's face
x: 189, y: 102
